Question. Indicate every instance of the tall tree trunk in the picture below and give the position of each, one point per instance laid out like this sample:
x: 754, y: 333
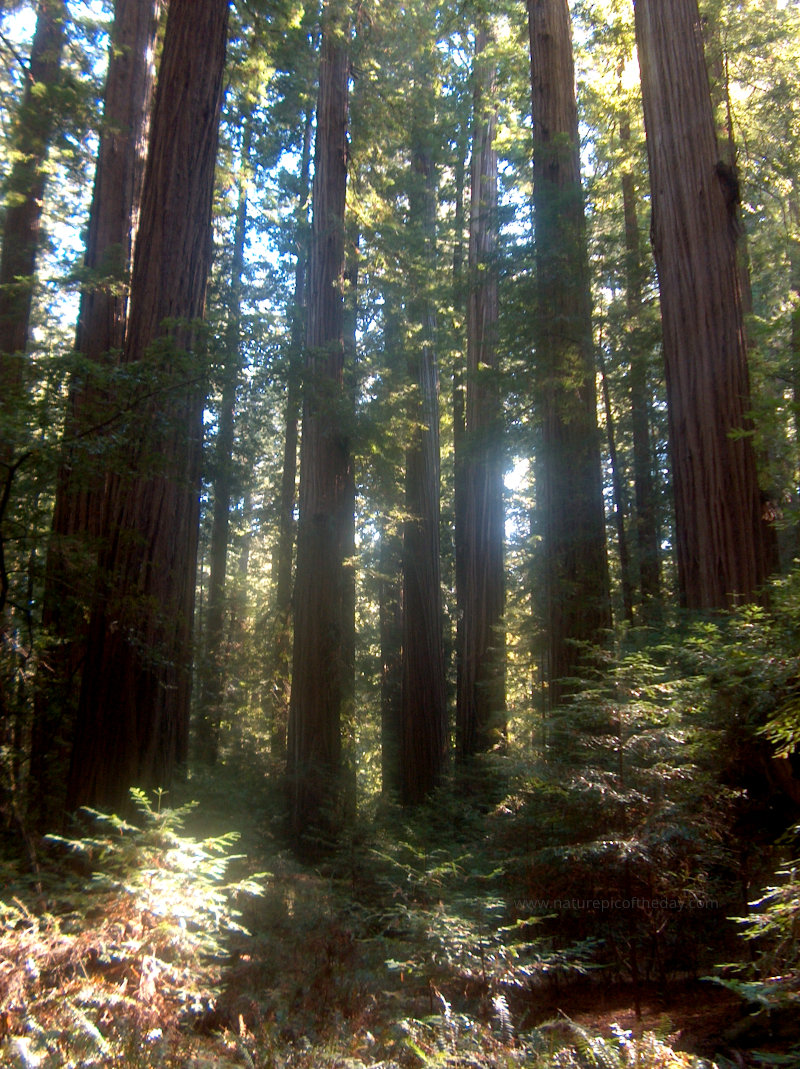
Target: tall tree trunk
x: 314, y: 742
x: 570, y: 499
x: 423, y: 692
x: 794, y: 336
x: 348, y: 651
x: 459, y: 392
x: 618, y: 490
x: 646, y: 522
x: 481, y: 707
x: 390, y: 623
x: 279, y: 658
x: 24, y: 197
x: 133, y: 711
x: 211, y: 671
x: 720, y: 551
x: 77, y: 516
x: 722, y: 107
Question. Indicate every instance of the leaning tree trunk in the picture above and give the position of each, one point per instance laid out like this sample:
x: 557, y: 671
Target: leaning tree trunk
x: 695, y: 197
x: 481, y: 707
x: 318, y: 685
x: 77, y: 516
x: 570, y: 500
x: 133, y: 711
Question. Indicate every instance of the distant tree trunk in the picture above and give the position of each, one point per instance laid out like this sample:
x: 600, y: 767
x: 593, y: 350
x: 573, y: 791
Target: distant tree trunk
x: 569, y: 480
x: 77, y: 516
x: 459, y: 395
x: 618, y: 490
x: 646, y: 514
x: 211, y: 671
x: 481, y: 707
x: 423, y: 692
x: 350, y: 333
x: 279, y: 657
x: 314, y: 743
x: 390, y: 622
x: 132, y: 724
x: 24, y: 198
x: 720, y: 550
x: 794, y: 351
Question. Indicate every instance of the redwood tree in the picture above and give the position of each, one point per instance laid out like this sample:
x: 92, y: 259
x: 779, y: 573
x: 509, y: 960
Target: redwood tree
x: 132, y: 723
x: 423, y: 708
x: 718, y: 530
x: 318, y: 668
x: 211, y: 669
x: 569, y: 482
x: 480, y: 719
x: 77, y: 516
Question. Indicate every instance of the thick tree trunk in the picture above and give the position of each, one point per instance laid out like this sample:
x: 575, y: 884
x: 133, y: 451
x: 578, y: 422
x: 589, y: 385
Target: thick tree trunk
x: 481, y: 707
x: 134, y: 704
x: 719, y: 543
x: 570, y: 499
x: 211, y: 671
x: 77, y: 517
x: 314, y: 742
x: 423, y: 692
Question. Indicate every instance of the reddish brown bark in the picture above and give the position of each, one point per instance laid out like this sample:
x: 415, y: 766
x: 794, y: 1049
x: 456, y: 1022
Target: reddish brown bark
x: 570, y: 499
x: 480, y: 717
x: 314, y: 737
x: 77, y: 518
x: 132, y: 723
x: 718, y: 536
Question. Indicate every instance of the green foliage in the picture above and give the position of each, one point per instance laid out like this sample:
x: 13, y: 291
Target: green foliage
x: 119, y: 958
x: 771, y: 979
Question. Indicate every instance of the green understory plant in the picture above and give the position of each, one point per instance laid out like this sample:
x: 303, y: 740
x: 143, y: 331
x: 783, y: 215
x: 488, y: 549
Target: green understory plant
x: 127, y: 954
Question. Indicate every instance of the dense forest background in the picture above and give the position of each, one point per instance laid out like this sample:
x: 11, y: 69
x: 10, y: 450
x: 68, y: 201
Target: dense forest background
x: 398, y: 456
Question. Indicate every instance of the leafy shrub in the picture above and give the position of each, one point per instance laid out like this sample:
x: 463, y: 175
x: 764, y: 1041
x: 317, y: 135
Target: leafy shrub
x: 127, y: 954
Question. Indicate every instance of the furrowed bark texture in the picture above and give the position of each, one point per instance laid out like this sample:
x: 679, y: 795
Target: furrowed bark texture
x: 718, y: 535
x: 481, y: 721
x: 77, y: 517
x: 133, y: 709
x: 314, y: 736
x: 576, y: 582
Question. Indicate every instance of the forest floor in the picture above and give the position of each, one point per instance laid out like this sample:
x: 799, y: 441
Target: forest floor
x: 389, y: 954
